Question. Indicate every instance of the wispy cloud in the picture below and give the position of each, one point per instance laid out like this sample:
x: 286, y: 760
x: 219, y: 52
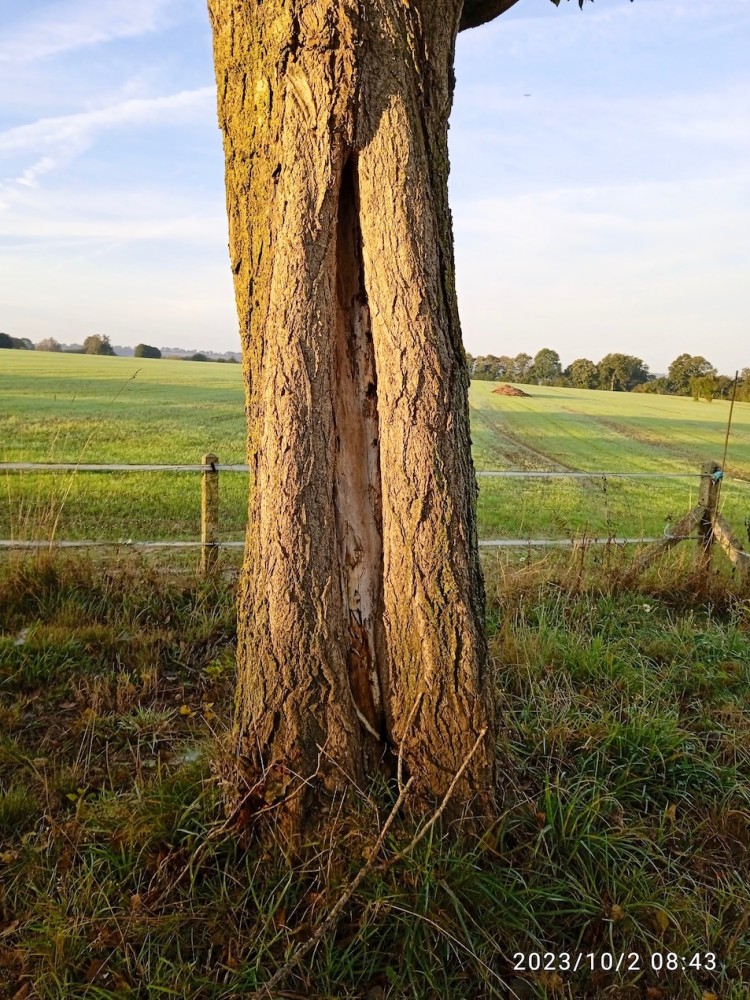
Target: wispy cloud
x: 57, y: 141
x: 648, y: 266
x: 48, y: 132
x: 63, y: 27
x: 113, y: 215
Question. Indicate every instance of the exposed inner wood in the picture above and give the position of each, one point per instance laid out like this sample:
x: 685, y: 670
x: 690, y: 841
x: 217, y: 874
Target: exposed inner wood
x: 361, y: 591
x: 358, y: 499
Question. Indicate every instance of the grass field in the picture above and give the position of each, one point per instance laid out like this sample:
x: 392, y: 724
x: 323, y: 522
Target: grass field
x: 119, y: 410
x: 623, y: 825
x: 624, y: 799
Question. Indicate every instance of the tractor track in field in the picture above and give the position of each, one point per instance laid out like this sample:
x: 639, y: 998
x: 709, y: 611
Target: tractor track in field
x: 672, y: 450
x: 523, y: 456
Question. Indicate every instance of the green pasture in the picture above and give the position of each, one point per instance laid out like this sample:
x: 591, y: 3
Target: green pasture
x: 70, y: 408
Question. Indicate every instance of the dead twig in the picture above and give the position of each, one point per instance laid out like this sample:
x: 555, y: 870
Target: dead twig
x: 441, y: 808
x: 412, y: 716
x: 332, y: 918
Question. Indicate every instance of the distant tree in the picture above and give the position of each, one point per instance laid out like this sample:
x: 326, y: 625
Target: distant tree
x: 197, y: 357
x: 49, y: 344
x: 703, y: 387
x: 723, y: 387
x: 546, y: 366
x: 496, y: 367
x: 743, y: 386
x: 97, y: 344
x: 621, y: 372
x: 654, y: 386
x: 22, y: 344
x: 583, y: 374
x: 145, y: 351
x: 522, y: 365
x: 6, y: 342
x: 684, y: 368
x: 488, y: 367
x: 482, y: 369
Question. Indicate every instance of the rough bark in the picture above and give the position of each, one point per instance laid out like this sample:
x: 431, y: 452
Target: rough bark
x: 362, y: 594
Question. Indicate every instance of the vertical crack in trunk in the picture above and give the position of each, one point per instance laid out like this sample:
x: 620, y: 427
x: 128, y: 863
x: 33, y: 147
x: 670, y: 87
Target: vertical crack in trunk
x: 357, y: 485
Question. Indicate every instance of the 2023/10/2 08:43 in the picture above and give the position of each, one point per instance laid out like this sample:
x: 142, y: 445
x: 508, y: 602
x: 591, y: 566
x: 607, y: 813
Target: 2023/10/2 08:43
x: 607, y: 961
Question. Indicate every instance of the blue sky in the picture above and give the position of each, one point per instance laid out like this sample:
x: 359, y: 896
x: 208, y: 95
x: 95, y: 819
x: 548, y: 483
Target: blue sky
x: 600, y: 186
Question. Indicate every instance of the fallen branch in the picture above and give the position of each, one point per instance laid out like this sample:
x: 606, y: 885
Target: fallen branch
x: 681, y: 531
x: 441, y: 808
x: 724, y: 536
x: 332, y: 918
x: 412, y: 715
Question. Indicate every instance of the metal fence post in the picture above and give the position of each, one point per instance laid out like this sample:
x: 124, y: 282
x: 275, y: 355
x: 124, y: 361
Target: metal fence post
x: 209, y: 513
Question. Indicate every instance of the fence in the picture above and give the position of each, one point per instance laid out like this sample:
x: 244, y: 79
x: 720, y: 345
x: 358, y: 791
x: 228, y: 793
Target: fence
x: 704, y: 518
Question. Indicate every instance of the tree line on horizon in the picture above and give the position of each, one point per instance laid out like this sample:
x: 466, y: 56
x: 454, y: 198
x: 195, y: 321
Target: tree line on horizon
x: 100, y: 345
x: 688, y: 375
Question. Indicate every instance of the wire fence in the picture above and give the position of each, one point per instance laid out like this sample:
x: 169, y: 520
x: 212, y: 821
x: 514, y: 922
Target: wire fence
x: 113, y: 505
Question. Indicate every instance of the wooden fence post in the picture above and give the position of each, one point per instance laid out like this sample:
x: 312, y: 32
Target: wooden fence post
x: 708, y: 499
x: 209, y: 513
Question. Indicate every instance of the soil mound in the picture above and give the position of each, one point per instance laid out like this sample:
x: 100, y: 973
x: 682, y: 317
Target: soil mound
x: 510, y: 390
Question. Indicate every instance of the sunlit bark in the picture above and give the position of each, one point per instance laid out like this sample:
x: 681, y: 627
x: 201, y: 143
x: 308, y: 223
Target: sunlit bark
x: 361, y: 607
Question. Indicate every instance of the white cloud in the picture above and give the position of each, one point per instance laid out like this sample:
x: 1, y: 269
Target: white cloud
x: 58, y: 141
x: 650, y: 268
x: 63, y: 27
x: 109, y: 216
x: 184, y: 299
x: 66, y: 130
x: 29, y: 177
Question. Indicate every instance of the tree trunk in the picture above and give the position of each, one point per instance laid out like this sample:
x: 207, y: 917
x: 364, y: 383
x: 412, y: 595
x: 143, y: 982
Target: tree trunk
x: 361, y: 609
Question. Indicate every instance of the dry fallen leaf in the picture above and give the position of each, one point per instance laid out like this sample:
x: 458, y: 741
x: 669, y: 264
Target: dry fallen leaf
x: 95, y: 967
x: 552, y: 981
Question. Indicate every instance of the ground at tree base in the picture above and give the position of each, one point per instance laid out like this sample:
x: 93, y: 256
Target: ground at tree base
x: 624, y: 819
